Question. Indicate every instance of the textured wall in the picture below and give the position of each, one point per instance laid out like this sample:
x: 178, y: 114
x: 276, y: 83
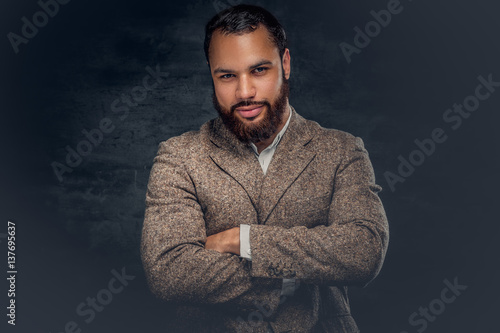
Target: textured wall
x: 77, y: 73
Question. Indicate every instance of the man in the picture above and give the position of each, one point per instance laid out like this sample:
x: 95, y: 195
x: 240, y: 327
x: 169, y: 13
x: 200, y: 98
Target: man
x: 259, y: 221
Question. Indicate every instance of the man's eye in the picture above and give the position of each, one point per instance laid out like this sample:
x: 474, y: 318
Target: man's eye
x: 260, y: 69
x: 226, y: 76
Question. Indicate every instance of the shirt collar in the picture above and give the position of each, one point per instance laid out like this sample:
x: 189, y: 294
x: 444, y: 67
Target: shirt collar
x: 278, y: 137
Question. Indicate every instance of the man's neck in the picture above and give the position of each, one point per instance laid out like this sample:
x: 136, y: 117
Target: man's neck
x: 261, y: 145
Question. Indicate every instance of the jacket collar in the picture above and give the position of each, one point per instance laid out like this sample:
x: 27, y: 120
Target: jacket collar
x: 238, y: 160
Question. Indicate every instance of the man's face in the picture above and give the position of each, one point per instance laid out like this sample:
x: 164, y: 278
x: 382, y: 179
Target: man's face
x: 250, y: 83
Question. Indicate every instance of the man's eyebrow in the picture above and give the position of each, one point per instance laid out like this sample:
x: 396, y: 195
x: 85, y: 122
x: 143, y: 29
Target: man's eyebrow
x: 260, y: 63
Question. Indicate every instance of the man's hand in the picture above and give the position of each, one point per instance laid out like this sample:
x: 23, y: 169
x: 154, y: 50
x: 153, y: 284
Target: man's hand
x: 227, y: 241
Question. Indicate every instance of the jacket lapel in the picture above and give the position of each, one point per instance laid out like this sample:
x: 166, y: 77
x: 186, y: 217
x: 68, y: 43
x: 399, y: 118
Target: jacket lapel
x: 238, y: 160
x: 289, y: 160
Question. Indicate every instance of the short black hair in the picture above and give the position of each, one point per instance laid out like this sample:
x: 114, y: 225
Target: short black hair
x: 243, y: 19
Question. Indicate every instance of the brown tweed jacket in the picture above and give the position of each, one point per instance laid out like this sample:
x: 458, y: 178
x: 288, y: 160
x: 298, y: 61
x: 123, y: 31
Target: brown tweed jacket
x: 315, y: 216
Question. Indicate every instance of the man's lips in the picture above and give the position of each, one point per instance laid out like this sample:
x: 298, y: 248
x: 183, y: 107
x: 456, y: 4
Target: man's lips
x: 250, y: 111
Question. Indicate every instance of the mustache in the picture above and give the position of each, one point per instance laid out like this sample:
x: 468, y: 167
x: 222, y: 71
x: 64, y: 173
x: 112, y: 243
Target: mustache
x: 248, y: 103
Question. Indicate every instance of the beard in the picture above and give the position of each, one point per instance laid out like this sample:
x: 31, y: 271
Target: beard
x: 246, y: 130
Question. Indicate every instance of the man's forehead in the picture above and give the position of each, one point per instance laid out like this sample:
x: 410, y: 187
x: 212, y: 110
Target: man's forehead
x: 224, y: 47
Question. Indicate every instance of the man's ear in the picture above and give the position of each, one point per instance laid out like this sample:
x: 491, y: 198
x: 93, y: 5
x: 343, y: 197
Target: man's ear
x: 286, y: 63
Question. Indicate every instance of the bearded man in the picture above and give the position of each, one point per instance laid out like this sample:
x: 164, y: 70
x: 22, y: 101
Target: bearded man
x: 260, y: 220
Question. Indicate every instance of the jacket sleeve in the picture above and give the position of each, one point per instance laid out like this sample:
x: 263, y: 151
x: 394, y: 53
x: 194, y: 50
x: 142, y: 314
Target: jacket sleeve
x: 348, y: 249
x: 177, y: 265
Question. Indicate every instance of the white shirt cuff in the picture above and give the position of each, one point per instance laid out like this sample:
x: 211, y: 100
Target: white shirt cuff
x: 288, y: 287
x: 245, y: 251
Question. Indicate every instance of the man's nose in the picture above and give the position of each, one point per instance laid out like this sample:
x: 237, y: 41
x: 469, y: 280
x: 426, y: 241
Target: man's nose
x: 246, y: 88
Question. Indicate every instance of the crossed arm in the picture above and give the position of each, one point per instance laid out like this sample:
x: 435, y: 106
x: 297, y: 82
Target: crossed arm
x: 227, y: 241
x: 182, y: 264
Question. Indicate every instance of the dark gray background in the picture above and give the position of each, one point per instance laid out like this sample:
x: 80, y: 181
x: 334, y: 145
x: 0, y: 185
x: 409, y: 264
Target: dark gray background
x: 71, y: 234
